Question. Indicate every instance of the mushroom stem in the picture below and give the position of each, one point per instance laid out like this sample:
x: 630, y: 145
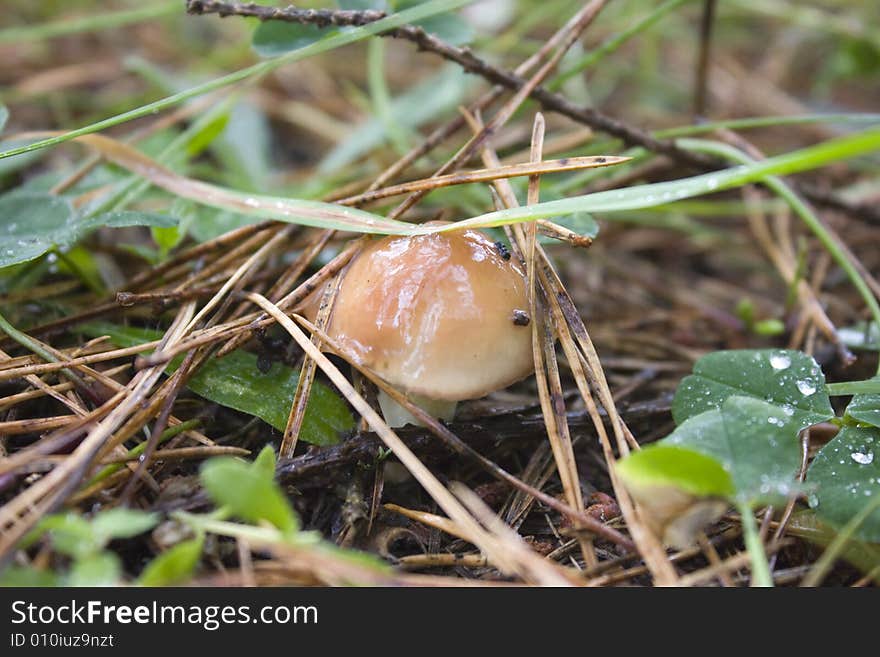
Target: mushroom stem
x: 397, y: 416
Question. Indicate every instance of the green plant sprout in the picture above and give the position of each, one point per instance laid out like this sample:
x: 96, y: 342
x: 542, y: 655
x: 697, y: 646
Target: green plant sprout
x: 744, y: 410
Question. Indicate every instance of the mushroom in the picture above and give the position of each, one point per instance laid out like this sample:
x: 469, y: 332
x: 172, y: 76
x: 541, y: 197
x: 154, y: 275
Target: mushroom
x: 441, y: 317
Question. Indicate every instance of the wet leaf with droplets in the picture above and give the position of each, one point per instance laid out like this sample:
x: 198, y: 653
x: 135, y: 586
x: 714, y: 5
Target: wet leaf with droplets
x: 846, y: 473
x: 32, y: 223
x: 865, y: 408
x: 791, y: 380
x: 755, y: 441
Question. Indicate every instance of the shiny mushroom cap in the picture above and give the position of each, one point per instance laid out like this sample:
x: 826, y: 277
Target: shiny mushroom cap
x: 442, y: 316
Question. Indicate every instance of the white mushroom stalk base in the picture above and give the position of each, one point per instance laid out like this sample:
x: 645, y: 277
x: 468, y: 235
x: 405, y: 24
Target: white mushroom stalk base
x: 397, y: 416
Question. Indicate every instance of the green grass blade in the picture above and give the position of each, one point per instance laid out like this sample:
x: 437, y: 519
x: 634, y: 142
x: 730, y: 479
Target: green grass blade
x: 752, y: 122
x: 752, y: 537
x: 646, y: 196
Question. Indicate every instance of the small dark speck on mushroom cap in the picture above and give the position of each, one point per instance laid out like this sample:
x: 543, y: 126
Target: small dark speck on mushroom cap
x: 521, y: 318
x: 502, y: 250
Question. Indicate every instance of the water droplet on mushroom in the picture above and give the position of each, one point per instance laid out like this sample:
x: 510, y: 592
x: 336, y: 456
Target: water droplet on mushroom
x: 863, y: 458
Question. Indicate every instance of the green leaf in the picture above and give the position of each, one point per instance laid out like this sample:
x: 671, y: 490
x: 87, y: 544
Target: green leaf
x: 74, y: 535
x: 273, y: 38
x: 71, y: 534
x: 678, y: 490
x: 265, y: 462
x: 247, y: 492
x: 173, y: 566
x: 451, y: 28
x: 846, y: 473
x: 81, y: 262
x: 789, y: 379
x: 865, y: 408
x: 19, y: 576
x: 663, y: 464
x: 207, y: 134
x: 245, y: 148
x: 121, y: 523
x: 769, y: 327
x: 32, y: 223
x: 235, y: 381
x: 123, y: 336
x: 166, y: 238
x: 756, y: 442
x: 100, y: 569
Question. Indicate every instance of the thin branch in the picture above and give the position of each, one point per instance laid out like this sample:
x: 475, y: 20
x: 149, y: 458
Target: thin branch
x: 319, y: 17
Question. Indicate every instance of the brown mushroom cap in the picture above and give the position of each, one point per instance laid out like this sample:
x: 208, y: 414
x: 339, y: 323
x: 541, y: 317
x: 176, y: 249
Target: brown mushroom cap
x: 440, y: 315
